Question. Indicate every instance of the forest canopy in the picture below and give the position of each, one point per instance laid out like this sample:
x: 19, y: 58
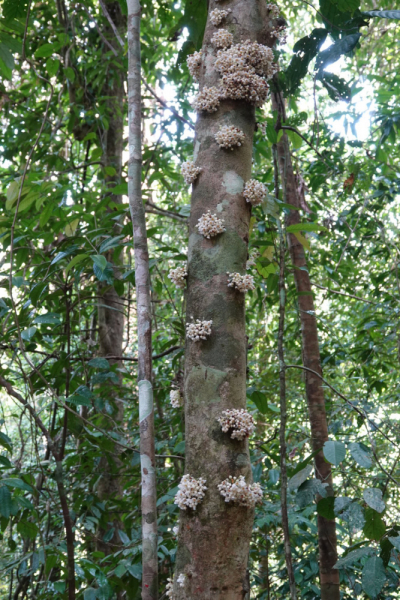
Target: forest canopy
x: 199, y: 299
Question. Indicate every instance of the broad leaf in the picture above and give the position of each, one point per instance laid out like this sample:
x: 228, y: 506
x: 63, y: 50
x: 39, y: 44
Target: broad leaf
x: 373, y: 497
x: 334, y: 452
x: 300, y: 477
x: 383, y: 14
x: 334, y: 52
x: 5, y: 501
x: 325, y: 508
x: 373, y: 576
x: 360, y: 454
x: 304, y: 51
x: 374, y: 527
x: 352, y: 557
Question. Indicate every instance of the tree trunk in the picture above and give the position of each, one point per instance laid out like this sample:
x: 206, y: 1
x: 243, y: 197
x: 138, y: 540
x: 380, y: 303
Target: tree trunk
x: 311, y: 359
x: 213, y: 543
x: 143, y: 304
x: 110, y: 314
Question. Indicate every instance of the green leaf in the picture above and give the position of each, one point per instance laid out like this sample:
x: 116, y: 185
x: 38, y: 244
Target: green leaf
x: 383, y: 14
x: 395, y: 541
x: 374, y: 527
x: 27, y: 529
x: 337, y: 88
x: 76, y: 260
x: 354, y: 515
x: 299, y: 478
x: 304, y: 51
x: 352, y: 557
x: 28, y: 334
x: 6, y: 56
x: 305, y: 227
x: 334, y: 52
x: 360, y: 454
x: 100, y: 261
x: 261, y: 401
x: 110, y: 243
x: 120, y: 190
x: 373, y: 497
x: 123, y: 537
x: 99, y: 363
x: 325, y: 508
x: 120, y: 570
x: 69, y: 73
x: 17, y: 483
x: 46, y: 50
x: 295, y: 139
x: 52, y: 66
x: 308, y: 490
x: 5, y: 441
x: 5, y: 501
x: 90, y: 594
x: 334, y: 452
x: 135, y: 570
x: 13, y: 9
x: 341, y: 503
x: 373, y: 576
x: 49, y: 319
x: 5, y: 462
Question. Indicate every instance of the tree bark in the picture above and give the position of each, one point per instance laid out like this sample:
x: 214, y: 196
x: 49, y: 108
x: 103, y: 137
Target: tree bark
x: 213, y: 543
x: 283, y: 411
x: 327, y: 542
x: 110, y: 315
x: 143, y: 308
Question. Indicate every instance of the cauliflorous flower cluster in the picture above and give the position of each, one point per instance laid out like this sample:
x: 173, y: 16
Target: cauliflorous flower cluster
x: 200, y: 330
x: 175, y: 530
x: 254, y: 192
x: 217, y: 16
x: 181, y: 580
x: 251, y: 261
x: 248, y: 56
x: 245, y: 86
x: 280, y: 33
x: 274, y: 10
x: 229, y: 136
x: 169, y: 588
x: 175, y: 399
x: 242, y: 283
x: 238, y: 422
x: 178, y: 276
x: 208, y: 99
x: 210, y: 225
x: 235, y: 489
x: 190, y: 172
x: 222, y: 39
x: 194, y: 64
x: 191, y: 492
x: 244, y: 69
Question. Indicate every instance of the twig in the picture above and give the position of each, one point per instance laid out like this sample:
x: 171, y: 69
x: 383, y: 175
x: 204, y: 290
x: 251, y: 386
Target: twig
x: 165, y: 105
x: 352, y: 231
x: 289, y: 128
x: 107, y: 43
x: 113, y: 27
x: 343, y: 294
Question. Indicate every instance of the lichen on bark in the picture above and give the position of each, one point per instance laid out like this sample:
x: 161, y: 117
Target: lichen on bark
x: 214, y: 539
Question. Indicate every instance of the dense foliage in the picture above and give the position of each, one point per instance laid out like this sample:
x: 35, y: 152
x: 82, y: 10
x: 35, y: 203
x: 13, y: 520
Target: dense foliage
x: 63, y: 235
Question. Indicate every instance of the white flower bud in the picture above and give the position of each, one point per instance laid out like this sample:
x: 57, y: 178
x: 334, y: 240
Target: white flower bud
x: 238, y: 422
x: 190, y: 172
x: 217, y: 16
x: 208, y: 100
x: 229, y: 136
x: 191, y: 492
x: 194, y: 64
x: 254, y: 192
x: 200, y: 330
x: 235, y: 489
x: 178, y: 276
x: 210, y: 225
x: 242, y: 283
x: 175, y: 399
x: 222, y: 39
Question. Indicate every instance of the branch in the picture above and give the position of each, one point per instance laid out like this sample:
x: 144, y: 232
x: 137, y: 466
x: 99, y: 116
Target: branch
x: 107, y: 43
x: 288, y: 128
x: 113, y: 27
x: 165, y: 105
x: 343, y: 294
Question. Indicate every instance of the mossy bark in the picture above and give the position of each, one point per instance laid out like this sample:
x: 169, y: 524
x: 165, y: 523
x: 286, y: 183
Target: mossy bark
x: 213, y: 542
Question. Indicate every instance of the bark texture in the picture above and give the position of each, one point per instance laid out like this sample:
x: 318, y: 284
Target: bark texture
x: 213, y: 542
x: 283, y: 409
x: 327, y: 542
x: 110, y: 314
x: 143, y: 304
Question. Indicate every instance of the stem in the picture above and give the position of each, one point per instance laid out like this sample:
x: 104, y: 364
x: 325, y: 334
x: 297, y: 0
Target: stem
x: 283, y: 408
x: 143, y: 299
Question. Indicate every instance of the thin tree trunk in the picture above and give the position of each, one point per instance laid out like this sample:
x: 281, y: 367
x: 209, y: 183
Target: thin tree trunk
x: 110, y: 315
x: 283, y: 409
x: 213, y: 543
x: 143, y: 303
x: 311, y: 359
